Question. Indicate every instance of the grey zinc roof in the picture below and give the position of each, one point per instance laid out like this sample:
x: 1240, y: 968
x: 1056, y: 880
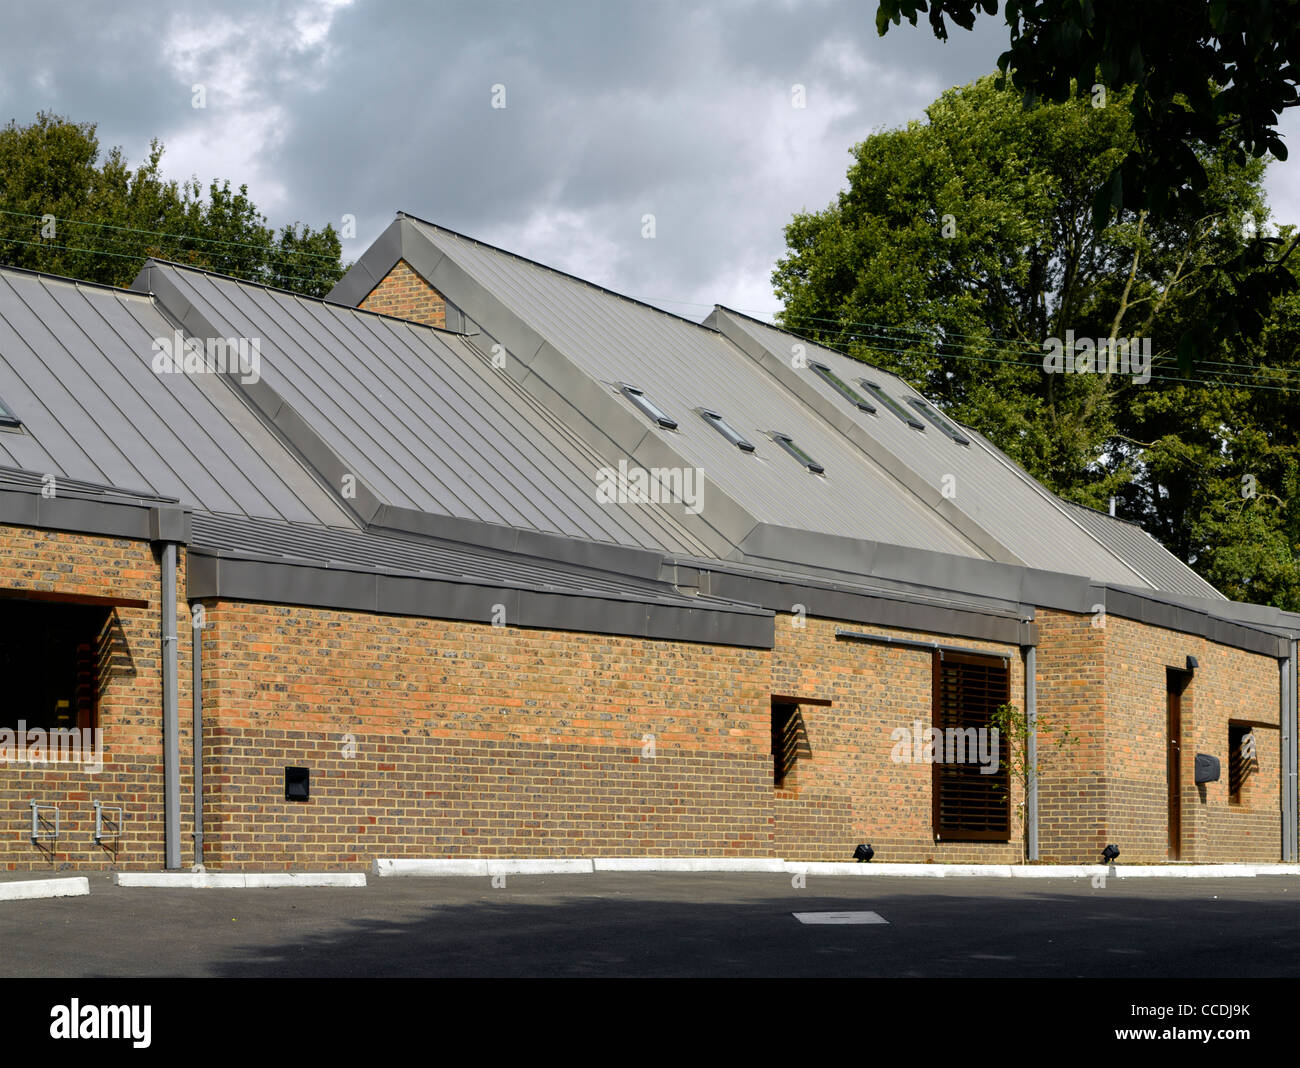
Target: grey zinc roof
x: 1156, y: 563
x: 993, y: 492
x: 75, y: 368
x: 418, y: 414
x: 682, y: 367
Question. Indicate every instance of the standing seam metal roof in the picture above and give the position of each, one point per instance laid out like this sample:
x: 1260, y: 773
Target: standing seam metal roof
x: 997, y: 495
x: 75, y: 367
x: 1160, y: 567
x: 422, y: 418
x: 683, y: 366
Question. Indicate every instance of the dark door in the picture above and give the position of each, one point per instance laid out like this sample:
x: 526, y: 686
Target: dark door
x: 1176, y: 682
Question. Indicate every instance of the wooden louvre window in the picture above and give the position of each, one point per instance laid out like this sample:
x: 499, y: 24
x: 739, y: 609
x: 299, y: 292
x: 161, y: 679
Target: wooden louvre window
x: 970, y: 806
x: 789, y: 742
x: 52, y: 655
x: 1240, y: 759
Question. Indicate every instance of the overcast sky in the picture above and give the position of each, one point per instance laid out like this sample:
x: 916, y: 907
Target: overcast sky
x: 613, y: 111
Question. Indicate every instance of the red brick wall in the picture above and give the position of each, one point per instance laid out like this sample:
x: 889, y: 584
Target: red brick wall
x: 1104, y: 677
x: 1229, y: 684
x: 436, y: 738
x: 472, y: 740
x: 404, y: 294
x: 1072, y: 776
x: 130, y: 708
x: 850, y: 790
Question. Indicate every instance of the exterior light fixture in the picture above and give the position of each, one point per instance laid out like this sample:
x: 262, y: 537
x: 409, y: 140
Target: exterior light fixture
x: 863, y: 854
x: 1109, y: 854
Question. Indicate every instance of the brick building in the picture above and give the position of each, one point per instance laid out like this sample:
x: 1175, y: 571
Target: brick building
x: 405, y: 551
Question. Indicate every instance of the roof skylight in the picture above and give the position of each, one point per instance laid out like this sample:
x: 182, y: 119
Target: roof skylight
x: 932, y: 414
x: 787, y: 443
x: 7, y: 418
x: 726, y: 430
x: 843, y: 388
x: 876, y: 391
x: 648, y: 406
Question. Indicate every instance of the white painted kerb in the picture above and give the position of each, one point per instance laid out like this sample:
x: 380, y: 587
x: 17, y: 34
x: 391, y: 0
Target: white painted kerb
x: 184, y: 880
x: 29, y: 889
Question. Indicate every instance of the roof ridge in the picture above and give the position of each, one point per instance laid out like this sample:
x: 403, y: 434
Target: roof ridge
x: 291, y: 293
x: 555, y: 270
x: 820, y: 344
x: 6, y: 268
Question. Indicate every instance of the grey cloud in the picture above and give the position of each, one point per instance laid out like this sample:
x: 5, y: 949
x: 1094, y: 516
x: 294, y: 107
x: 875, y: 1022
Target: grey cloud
x: 613, y: 111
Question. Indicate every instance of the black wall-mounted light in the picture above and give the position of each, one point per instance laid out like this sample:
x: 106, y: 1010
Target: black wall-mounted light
x: 1205, y: 768
x: 1109, y: 854
x: 1192, y: 663
x: 863, y: 853
x: 297, y: 784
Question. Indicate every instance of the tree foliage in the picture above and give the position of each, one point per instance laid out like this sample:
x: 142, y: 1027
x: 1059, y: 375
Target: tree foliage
x: 67, y: 209
x: 1202, y: 78
x: 961, y: 244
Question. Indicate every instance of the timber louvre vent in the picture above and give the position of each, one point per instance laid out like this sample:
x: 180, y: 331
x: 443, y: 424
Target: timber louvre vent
x: 789, y: 742
x: 1240, y: 763
x: 969, y: 806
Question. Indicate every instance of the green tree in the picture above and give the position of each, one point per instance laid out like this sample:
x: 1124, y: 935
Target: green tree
x: 1202, y: 77
x: 67, y: 209
x: 964, y: 242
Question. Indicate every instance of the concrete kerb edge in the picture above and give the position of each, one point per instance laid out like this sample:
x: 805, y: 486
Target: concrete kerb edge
x: 183, y: 880
x: 466, y: 868
x: 32, y: 889
x: 434, y: 867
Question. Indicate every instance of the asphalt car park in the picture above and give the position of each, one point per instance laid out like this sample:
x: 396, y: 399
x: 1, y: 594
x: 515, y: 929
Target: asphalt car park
x: 688, y: 924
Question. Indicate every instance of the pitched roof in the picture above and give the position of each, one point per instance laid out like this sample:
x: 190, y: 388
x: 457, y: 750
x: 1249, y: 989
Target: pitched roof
x: 418, y: 416
x: 578, y: 342
x: 886, y: 482
x: 1039, y: 528
x: 75, y: 369
x: 1157, y: 564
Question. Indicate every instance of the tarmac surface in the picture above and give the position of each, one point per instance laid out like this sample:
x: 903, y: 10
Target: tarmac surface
x: 606, y: 925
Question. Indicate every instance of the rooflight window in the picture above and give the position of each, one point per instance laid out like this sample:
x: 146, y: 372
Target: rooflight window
x: 726, y: 430
x: 787, y: 443
x: 932, y: 414
x: 648, y: 406
x: 7, y: 418
x: 875, y: 390
x: 843, y: 388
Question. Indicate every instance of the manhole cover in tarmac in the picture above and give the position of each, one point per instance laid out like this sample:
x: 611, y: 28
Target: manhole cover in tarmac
x: 839, y: 917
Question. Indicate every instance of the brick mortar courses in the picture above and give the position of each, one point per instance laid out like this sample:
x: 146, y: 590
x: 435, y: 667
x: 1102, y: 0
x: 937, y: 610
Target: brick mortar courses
x: 439, y: 738
x: 1229, y: 685
x: 850, y: 790
x: 130, y: 707
x: 472, y: 740
x: 1071, y: 693
x: 468, y: 740
x: 404, y: 294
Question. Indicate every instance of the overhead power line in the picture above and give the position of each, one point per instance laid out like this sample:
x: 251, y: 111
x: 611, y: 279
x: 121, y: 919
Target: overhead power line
x: 163, y: 233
